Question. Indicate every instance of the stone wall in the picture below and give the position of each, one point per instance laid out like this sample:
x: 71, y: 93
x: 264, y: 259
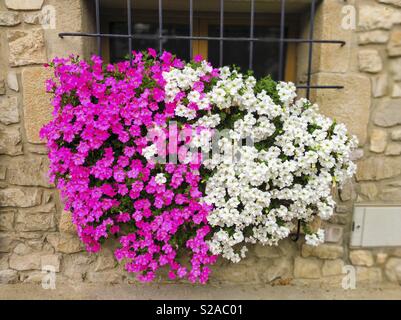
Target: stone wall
x: 35, y: 231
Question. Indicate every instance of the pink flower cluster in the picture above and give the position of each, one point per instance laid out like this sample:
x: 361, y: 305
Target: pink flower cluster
x: 102, y: 116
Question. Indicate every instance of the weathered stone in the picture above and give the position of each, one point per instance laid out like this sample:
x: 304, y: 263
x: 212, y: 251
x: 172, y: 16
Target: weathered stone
x: 332, y: 267
x: 75, y: 266
x: 105, y: 260
x: 396, y: 135
x: 65, y: 223
x: 24, y: 4
x: 379, y: 85
x: 369, y: 276
x: 378, y: 168
x: 393, y: 149
x: 393, y: 2
x: 391, y: 194
x: 7, y: 220
x: 22, y: 249
x: 8, y: 276
x: 35, y: 220
x: 333, y: 234
x: 267, y: 251
x: 12, y: 81
x: 19, y: 197
x: 357, y: 154
x: 26, y: 47
x: 381, y: 257
x: 352, y: 102
x: 65, y: 243
x: 370, y: 61
x: 235, y: 273
x: 378, y: 140
x: 395, y: 68
x: 52, y: 260
x: 323, y: 251
x: 307, y: 268
x: 347, y: 191
x: 9, y: 19
x: 26, y: 262
x: 34, y: 18
x: 361, y: 258
x: 3, y: 170
x: 5, y: 242
x: 394, y: 45
x: 373, y: 37
x: 396, y: 252
x: 105, y: 277
x: 396, y: 93
x: 393, y: 270
x: 2, y: 87
x: 280, y: 269
x: 3, y: 261
x: 10, y: 138
x: 377, y: 17
x: 29, y: 172
x: 339, y: 219
x: 9, y: 110
x: 368, y: 190
x: 36, y: 102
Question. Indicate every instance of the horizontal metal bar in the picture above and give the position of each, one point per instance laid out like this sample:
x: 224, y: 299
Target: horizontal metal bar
x: 318, y: 87
x: 167, y: 37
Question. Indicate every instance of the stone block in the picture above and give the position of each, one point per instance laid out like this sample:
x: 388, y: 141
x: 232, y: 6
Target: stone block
x: 393, y: 149
x: 332, y: 267
x: 65, y: 243
x: 361, y: 258
x: 26, y: 47
x: 8, y: 276
x: 24, y: 4
x: 346, y: 105
x: 373, y: 17
x: 9, y: 110
x: 323, y: 251
x: 26, y: 262
x: 379, y: 85
x: 378, y: 140
x: 9, y: 19
x: 12, y: 81
x: 394, y: 45
x: 378, y: 168
x: 20, y: 197
x: 29, y: 172
x: 10, y: 138
x: 36, y: 102
x: 370, y: 61
x: 307, y: 268
x: 7, y: 220
x: 373, y: 37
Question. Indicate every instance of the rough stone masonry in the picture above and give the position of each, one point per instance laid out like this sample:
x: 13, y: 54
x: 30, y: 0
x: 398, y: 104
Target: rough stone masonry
x: 35, y: 231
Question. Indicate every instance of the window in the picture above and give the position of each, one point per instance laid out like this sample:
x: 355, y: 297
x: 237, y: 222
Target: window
x: 252, y: 34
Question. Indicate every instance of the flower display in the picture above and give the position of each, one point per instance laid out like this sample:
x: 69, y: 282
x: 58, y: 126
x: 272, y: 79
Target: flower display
x: 183, y: 162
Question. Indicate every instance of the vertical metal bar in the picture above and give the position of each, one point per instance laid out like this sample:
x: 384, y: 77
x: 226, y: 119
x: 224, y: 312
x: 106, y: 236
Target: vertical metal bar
x: 99, y: 39
x: 251, y: 33
x: 310, y: 54
x: 160, y: 26
x: 129, y: 19
x: 282, y: 35
x: 221, y: 33
x: 191, y: 27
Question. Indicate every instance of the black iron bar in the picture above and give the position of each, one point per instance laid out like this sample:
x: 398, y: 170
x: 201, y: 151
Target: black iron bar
x: 282, y: 36
x: 129, y: 18
x: 175, y: 37
x: 221, y: 43
x: 98, y: 34
x: 295, y: 236
x: 160, y: 26
x: 191, y: 27
x: 251, y: 33
x: 310, y: 53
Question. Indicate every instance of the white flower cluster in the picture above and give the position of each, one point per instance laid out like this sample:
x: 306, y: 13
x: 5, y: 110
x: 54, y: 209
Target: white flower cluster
x: 287, y: 175
x: 285, y: 172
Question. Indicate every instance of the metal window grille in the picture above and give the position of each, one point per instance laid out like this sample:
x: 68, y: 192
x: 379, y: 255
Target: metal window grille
x: 221, y: 38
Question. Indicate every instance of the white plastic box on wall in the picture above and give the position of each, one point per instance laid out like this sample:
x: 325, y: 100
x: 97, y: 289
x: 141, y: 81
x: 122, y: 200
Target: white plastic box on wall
x: 376, y: 225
